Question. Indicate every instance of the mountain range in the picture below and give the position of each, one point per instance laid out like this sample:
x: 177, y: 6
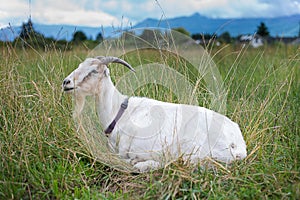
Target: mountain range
x: 285, y: 26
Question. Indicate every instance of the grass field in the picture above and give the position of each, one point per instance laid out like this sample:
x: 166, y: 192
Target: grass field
x: 43, y: 158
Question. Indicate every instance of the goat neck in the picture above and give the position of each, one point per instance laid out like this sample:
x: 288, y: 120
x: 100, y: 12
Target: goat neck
x: 108, y: 101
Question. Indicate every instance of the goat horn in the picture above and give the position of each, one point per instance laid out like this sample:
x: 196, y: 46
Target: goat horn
x: 111, y: 59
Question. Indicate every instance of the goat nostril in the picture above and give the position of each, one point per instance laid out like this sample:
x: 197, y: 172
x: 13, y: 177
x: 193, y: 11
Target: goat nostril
x: 66, y: 82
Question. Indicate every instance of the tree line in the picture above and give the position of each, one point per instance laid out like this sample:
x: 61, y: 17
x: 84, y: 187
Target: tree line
x: 30, y: 37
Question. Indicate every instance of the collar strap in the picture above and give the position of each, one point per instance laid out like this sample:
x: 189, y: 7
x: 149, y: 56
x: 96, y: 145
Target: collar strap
x: 112, y: 125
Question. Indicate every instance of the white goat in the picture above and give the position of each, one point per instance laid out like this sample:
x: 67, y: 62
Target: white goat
x: 149, y: 133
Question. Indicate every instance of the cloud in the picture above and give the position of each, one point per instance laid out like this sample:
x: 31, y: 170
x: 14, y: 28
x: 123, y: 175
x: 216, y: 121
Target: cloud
x: 72, y: 12
x: 281, y: 7
x: 231, y: 8
x: 136, y: 10
x: 127, y: 12
x: 12, y: 11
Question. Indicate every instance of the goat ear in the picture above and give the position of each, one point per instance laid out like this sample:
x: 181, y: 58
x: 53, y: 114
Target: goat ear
x: 106, y: 72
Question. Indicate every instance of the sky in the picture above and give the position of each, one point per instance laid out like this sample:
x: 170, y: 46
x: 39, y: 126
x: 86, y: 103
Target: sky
x: 97, y: 13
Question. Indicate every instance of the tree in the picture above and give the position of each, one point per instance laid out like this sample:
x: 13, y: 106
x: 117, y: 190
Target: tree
x: 262, y: 30
x: 99, y: 37
x: 201, y: 36
x: 197, y: 36
x: 28, y: 32
x: 79, y: 36
x: 225, y: 37
x: 299, y: 30
x: 28, y: 36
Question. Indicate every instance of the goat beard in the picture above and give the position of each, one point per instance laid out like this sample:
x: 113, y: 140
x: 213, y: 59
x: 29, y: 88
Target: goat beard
x: 79, y: 101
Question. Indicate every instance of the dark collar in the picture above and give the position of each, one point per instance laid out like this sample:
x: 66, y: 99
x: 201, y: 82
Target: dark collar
x: 112, y: 125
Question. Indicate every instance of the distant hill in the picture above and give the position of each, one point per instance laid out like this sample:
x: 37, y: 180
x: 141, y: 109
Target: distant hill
x: 286, y: 26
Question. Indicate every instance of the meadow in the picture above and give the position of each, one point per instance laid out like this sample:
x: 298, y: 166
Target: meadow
x: 42, y: 156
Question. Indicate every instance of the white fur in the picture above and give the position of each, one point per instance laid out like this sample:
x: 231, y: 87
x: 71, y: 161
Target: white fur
x: 150, y: 132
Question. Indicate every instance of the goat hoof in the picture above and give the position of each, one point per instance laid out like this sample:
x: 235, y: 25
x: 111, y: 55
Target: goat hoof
x: 146, y: 166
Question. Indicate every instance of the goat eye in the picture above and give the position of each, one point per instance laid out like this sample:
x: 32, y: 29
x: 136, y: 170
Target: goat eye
x: 94, y: 71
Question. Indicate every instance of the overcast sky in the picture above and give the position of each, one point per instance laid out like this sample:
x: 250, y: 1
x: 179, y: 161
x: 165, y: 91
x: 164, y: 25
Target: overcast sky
x: 116, y: 12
